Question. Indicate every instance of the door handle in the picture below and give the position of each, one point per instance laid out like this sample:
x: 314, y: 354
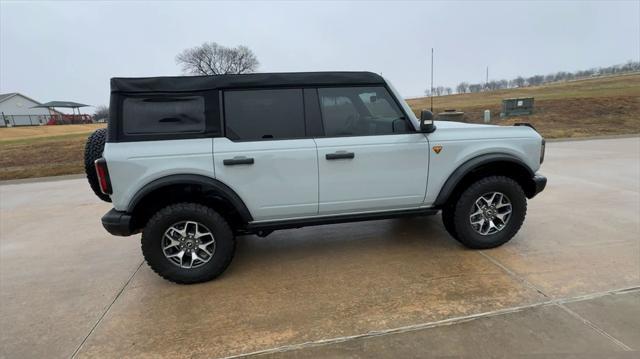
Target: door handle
x: 238, y: 161
x: 340, y: 155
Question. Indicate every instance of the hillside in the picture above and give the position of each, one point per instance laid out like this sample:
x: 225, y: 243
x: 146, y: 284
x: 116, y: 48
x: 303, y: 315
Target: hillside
x: 591, y: 107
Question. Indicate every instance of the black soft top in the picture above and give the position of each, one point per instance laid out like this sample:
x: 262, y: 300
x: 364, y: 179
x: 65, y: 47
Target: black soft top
x: 200, y: 83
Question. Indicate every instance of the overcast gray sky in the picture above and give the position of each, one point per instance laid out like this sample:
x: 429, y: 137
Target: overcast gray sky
x: 69, y: 50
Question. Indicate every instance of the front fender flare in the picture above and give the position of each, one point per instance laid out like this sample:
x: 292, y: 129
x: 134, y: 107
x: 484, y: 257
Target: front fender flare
x: 472, y: 164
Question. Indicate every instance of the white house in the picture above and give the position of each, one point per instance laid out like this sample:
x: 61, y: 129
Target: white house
x: 16, y: 110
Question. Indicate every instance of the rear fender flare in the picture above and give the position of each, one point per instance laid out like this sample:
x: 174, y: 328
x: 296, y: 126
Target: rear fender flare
x: 220, y: 188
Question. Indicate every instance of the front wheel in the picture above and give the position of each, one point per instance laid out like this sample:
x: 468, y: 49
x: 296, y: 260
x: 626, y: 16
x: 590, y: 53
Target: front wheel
x: 488, y: 213
x: 188, y: 243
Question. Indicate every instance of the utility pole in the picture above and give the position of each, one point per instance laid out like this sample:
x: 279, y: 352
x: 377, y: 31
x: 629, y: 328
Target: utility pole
x: 487, y: 78
x: 431, y: 79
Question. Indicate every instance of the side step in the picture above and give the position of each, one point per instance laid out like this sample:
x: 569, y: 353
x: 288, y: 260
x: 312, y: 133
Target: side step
x: 265, y: 228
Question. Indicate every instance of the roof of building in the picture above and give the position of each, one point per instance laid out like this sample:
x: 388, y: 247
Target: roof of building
x: 6, y: 96
x: 282, y: 79
x: 62, y: 104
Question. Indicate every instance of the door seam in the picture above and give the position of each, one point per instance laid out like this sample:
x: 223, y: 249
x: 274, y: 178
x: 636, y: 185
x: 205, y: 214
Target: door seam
x: 318, y: 176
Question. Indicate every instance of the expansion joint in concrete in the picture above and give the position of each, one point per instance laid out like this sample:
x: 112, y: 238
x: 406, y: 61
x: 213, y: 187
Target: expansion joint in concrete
x: 75, y: 353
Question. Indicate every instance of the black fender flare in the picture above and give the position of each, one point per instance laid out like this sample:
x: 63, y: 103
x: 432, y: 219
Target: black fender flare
x: 220, y: 188
x: 472, y: 164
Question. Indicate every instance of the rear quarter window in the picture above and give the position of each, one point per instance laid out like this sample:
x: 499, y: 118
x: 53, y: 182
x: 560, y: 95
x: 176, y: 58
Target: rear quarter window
x: 163, y: 115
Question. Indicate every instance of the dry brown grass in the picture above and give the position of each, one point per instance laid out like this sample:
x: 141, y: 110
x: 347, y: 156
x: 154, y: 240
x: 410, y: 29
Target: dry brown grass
x: 42, y: 156
x: 40, y: 151
x: 27, y: 132
x: 593, y: 107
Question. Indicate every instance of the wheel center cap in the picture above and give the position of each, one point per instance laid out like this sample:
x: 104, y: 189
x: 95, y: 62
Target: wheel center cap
x: 489, y: 213
x: 189, y: 243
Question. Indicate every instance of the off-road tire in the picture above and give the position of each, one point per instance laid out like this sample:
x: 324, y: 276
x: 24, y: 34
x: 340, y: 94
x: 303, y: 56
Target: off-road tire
x: 462, y: 208
x: 151, y: 243
x: 92, y: 151
x: 447, y: 219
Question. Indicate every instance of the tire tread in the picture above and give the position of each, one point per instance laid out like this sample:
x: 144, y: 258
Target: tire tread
x: 460, y: 212
x: 93, y: 149
x: 168, y: 273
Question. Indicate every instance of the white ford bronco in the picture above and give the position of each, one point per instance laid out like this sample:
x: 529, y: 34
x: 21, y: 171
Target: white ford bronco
x: 193, y: 162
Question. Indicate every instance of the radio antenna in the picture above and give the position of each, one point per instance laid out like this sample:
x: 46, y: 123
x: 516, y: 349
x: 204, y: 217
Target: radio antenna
x: 432, y: 79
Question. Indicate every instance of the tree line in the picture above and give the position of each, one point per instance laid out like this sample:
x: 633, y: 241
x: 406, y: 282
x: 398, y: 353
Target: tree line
x: 211, y: 58
x: 465, y: 87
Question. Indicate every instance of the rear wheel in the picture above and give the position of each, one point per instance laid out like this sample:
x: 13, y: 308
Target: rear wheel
x: 488, y: 213
x: 188, y: 243
x: 93, y: 150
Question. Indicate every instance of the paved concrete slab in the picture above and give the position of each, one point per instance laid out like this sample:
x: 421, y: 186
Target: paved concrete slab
x: 582, y: 235
x: 307, y: 285
x: 544, y: 331
x: 60, y: 272
x: 618, y: 315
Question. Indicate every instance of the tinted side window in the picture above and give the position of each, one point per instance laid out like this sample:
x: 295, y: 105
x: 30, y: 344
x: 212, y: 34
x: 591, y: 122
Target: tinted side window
x: 338, y: 113
x: 360, y: 111
x: 157, y: 115
x: 264, y: 114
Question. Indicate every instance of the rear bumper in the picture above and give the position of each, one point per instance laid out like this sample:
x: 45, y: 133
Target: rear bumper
x: 117, y: 223
x: 540, y: 182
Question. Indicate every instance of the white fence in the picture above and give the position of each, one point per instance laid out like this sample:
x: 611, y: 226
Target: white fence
x: 39, y: 120
x: 23, y: 120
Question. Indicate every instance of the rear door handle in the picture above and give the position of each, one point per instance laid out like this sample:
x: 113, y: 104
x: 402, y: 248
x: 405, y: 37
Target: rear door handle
x: 238, y: 161
x: 340, y: 155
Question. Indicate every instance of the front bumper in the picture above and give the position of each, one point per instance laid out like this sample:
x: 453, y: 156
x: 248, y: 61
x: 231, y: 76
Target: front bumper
x: 117, y: 223
x: 539, y: 183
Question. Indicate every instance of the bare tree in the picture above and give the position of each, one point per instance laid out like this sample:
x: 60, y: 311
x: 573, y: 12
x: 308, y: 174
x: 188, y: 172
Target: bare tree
x: 102, y: 113
x: 462, y: 87
x: 448, y: 90
x: 535, y: 80
x: 492, y: 85
x: 475, y: 88
x: 213, y: 59
x: 519, y: 81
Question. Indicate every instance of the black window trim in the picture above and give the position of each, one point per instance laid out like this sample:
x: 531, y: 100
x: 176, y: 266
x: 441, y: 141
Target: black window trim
x: 405, y: 117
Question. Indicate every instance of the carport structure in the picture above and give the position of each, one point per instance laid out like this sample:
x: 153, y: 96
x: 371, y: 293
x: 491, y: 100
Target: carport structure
x: 74, y: 106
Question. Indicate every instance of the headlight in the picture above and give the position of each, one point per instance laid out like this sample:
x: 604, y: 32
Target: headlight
x: 542, y: 148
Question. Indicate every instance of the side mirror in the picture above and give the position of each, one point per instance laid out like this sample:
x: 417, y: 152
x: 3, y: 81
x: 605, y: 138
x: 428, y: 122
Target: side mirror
x: 426, y: 122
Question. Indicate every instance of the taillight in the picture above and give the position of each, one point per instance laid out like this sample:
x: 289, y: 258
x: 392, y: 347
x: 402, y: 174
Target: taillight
x: 103, y: 175
x: 542, y: 149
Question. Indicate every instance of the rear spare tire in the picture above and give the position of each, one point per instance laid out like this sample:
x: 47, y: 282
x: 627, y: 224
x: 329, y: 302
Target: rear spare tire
x: 92, y: 151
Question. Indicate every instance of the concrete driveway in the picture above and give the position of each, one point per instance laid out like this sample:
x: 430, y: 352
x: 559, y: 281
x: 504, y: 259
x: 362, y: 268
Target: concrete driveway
x: 568, y: 283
